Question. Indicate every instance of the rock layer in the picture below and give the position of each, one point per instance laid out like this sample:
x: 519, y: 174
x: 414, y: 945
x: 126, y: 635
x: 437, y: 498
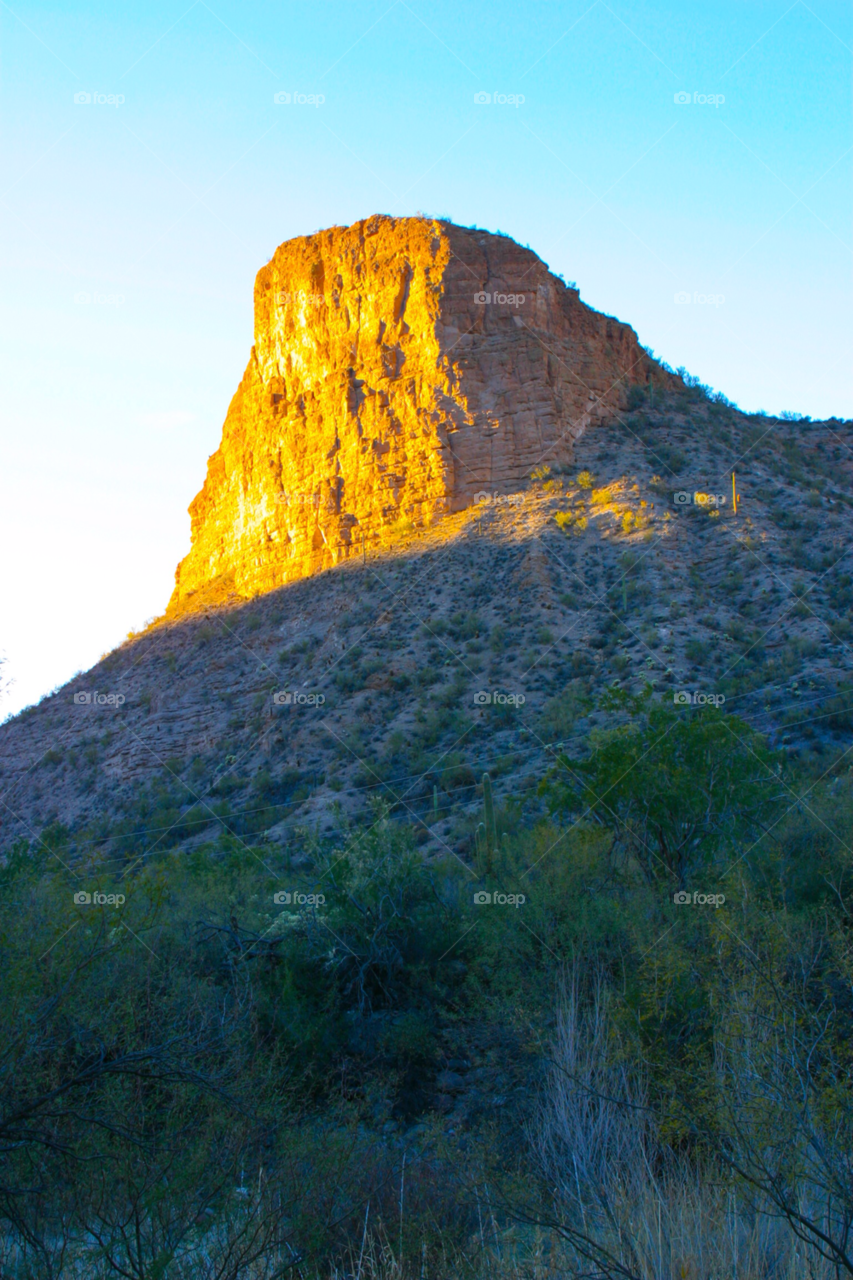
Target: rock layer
x: 400, y: 367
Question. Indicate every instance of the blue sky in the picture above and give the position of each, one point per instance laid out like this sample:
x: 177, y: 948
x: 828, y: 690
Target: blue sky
x: 160, y: 198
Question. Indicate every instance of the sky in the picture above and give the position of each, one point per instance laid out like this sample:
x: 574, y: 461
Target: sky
x: 154, y: 156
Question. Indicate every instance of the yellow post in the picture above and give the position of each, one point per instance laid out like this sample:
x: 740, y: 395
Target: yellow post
x: 734, y: 494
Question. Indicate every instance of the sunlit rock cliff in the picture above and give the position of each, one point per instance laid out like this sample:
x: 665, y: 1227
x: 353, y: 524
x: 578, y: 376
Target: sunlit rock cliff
x: 400, y: 366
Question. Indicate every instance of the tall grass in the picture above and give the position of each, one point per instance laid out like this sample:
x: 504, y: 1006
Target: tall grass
x: 621, y: 1200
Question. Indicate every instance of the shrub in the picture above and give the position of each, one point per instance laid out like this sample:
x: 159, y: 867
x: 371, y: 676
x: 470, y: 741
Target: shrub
x: 677, y: 788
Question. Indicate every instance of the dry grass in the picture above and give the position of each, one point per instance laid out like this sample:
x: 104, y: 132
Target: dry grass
x: 622, y: 1199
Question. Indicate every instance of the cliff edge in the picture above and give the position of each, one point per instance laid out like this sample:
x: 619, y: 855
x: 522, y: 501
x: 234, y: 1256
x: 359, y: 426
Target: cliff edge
x: 400, y: 366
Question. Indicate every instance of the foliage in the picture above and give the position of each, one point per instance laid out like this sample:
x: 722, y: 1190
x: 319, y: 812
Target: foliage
x: 203, y: 1072
x: 678, y: 786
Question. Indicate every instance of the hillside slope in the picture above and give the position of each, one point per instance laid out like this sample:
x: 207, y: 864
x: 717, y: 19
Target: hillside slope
x: 593, y: 574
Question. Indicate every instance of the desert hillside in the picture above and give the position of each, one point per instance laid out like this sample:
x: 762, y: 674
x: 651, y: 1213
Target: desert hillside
x: 591, y: 574
x: 456, y: 880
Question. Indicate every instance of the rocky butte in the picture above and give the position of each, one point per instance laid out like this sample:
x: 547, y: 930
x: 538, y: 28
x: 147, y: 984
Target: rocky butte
x: 400, y: 366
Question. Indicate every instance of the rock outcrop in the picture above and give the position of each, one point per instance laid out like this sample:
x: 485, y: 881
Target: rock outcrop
x: 400, y: 366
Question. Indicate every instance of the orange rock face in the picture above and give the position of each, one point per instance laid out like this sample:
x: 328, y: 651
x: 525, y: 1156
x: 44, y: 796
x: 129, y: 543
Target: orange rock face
x: 400, y: 367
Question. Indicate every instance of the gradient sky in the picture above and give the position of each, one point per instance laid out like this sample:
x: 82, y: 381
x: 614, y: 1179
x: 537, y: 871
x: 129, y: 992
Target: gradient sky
x: 160, y: 208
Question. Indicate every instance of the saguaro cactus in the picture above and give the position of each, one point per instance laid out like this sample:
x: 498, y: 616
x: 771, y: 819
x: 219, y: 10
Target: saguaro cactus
x: 481, y: 848
x: 489, y: 814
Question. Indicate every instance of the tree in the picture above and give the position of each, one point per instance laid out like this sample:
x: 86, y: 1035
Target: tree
x: 676, y: 784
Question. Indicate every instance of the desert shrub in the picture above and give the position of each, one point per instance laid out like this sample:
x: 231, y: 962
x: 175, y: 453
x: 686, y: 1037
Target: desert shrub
x: 465, y: 626
x: 569, y: 522
x: 697, y: 651
x: 680, y: 788
x: 561, y: 713
x: 668, y: 458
